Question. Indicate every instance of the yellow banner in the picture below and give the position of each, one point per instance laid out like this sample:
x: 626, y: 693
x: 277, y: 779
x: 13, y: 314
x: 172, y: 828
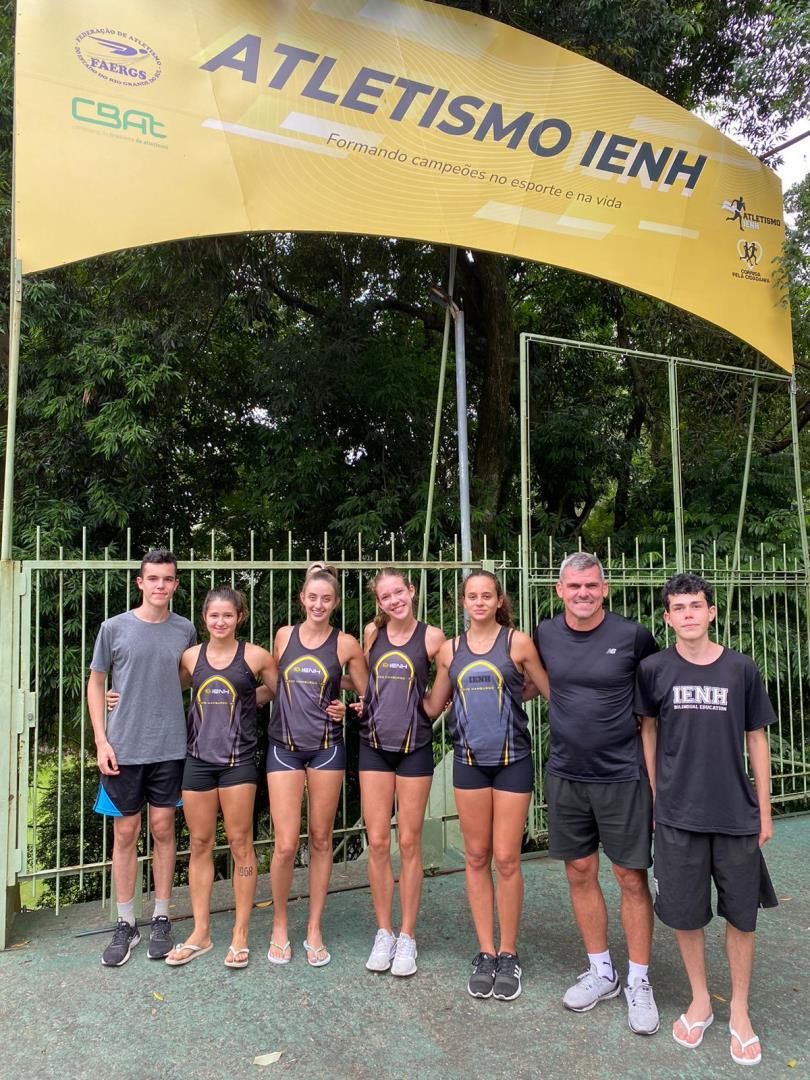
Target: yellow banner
x: 139, y: 121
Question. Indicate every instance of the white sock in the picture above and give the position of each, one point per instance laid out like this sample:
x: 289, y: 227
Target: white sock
x: 161, y: 908
x: 636, y: 973
x: 602, y: 964
x: 126, y: 911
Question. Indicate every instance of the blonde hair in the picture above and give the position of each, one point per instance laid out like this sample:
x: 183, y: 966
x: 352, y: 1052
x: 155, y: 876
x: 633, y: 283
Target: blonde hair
x: 381, y: 618
x: 321, y: 571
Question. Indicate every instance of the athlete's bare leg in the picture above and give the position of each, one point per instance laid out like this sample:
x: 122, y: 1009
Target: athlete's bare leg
x: 286, y: 790
x: 324, y: 786
x: 509, y: 823
x: 692, y: 947
x: 126, y: 831
x: 237, y: 810
x: 588, y: 902
x: 740, y: 953
x: 200, y: 809
x: 412, y: 797
x: 475, y: 817
x: 636, y: 913
x: 377, y: 794
x: 164, y: 855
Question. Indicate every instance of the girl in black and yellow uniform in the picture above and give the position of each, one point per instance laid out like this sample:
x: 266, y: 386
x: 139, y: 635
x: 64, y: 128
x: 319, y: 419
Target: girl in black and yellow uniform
x: 493, y: 775
x: 220, y: 769
x: 396, y: 758
x: 306, y: 744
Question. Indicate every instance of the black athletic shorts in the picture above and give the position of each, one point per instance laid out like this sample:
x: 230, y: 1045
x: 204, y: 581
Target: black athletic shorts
x: 203, y: 776
x: 581, y: 815
x: 280, y: 759
x: 686, y: 862
x: 518, y: 776
x: 418, y: 763
x: 157, y: 784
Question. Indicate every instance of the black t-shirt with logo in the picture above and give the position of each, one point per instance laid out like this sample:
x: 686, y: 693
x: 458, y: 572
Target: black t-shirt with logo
x: 703, y: 712
x: 594, y: 731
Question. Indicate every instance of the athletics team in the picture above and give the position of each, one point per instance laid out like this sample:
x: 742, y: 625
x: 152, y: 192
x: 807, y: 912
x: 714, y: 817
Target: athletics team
x: 637, y: 736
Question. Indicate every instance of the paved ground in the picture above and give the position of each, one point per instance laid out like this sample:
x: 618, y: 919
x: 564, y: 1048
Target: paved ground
x: 65, y: 1016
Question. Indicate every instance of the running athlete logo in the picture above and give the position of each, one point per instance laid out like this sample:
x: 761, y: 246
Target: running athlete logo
x: 483, y: 714
x: 394, y: 680
x: 213, y: 695
x: 306, y: 676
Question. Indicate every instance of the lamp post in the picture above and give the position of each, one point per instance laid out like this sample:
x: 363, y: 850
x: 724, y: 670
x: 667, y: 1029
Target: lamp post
x: 443, y: 298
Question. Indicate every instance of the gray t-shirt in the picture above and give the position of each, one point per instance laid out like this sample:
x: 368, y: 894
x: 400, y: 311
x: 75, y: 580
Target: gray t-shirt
x: 143, y: 658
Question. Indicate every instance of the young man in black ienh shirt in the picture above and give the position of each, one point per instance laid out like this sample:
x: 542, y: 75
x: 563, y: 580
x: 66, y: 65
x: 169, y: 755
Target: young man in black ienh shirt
x: 709, y: 821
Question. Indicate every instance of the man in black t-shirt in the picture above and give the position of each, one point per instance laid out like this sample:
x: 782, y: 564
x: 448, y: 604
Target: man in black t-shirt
x: 596, y: 786
x: 709, y: 821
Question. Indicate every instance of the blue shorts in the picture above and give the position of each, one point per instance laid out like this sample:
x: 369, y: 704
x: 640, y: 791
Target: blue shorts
x: 518, y: 776
x: 417, y: 763
x: 280, y: 759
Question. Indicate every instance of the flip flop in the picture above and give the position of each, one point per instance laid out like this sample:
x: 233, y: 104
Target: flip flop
x: 313, y: 950
x: 232, y: 952
x: 193, y: 950
x: 702, y: 1024
x: 282, y: 949
x: 744, y: 1046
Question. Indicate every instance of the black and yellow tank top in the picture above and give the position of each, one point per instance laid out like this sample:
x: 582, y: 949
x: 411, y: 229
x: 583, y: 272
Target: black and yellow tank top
x: 488, y: 723
x: 222, y: 717
x: 393, y: 718
x: 308, y: 679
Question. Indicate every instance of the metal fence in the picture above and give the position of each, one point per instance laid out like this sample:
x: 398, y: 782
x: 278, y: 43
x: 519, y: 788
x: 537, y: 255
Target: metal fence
x: 64, y: 847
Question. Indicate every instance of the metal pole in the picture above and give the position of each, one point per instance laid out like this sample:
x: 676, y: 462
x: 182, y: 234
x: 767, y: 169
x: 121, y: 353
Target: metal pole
x: 525, y: 523
x: 437, y: 425
x: 797, y: 472
x: 463, y: 456
x: 15, y: 313
x: 741, y: 516
x: 677, y: 485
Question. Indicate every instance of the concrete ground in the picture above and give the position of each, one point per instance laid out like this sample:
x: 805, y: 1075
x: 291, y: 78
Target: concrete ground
x: 65, y: 1016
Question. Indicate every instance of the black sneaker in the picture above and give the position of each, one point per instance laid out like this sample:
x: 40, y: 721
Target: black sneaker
x: 124, y: 940
x: 160, y: 938
x: 483, y: 975
x: 507, y: 977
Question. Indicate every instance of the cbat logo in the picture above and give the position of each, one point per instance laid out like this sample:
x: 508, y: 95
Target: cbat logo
x: 118, y: 57
x: 750, y: 251
x: 105, y: 114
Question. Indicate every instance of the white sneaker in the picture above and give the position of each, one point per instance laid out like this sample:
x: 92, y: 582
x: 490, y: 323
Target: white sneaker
x: 405, y: 959
x: 383, y: 951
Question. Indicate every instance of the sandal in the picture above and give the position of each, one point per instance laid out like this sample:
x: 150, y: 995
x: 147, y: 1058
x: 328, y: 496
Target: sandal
x: 320, y: 952
x: 743, y: 1047
x: 193, y: 952
x: 702, y: 1024
x: 284, y: 958
x: 233, y: 952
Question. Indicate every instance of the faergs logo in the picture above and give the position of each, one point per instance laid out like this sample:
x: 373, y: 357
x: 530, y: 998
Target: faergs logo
x: 118, y: 57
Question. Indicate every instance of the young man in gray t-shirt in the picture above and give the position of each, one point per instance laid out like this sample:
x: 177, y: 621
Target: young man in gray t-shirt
x: 141, y: 746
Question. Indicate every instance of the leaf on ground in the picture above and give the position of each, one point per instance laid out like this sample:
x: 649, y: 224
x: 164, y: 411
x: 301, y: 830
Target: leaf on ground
x: 20, y: 945
x: 157, y: 996
x: 783, y: 898
x: 719, y: 997
x: 264, y: 903
x: 268, y: 1059
x: 792, y: 1063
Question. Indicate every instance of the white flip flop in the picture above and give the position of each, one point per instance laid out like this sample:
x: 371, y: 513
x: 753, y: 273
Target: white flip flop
x: 744, y: 1046
x: 702, y: 1024
x: 193, y: 950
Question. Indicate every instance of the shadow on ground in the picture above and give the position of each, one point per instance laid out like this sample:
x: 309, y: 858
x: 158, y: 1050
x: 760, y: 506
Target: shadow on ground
x: 65, y: 1016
